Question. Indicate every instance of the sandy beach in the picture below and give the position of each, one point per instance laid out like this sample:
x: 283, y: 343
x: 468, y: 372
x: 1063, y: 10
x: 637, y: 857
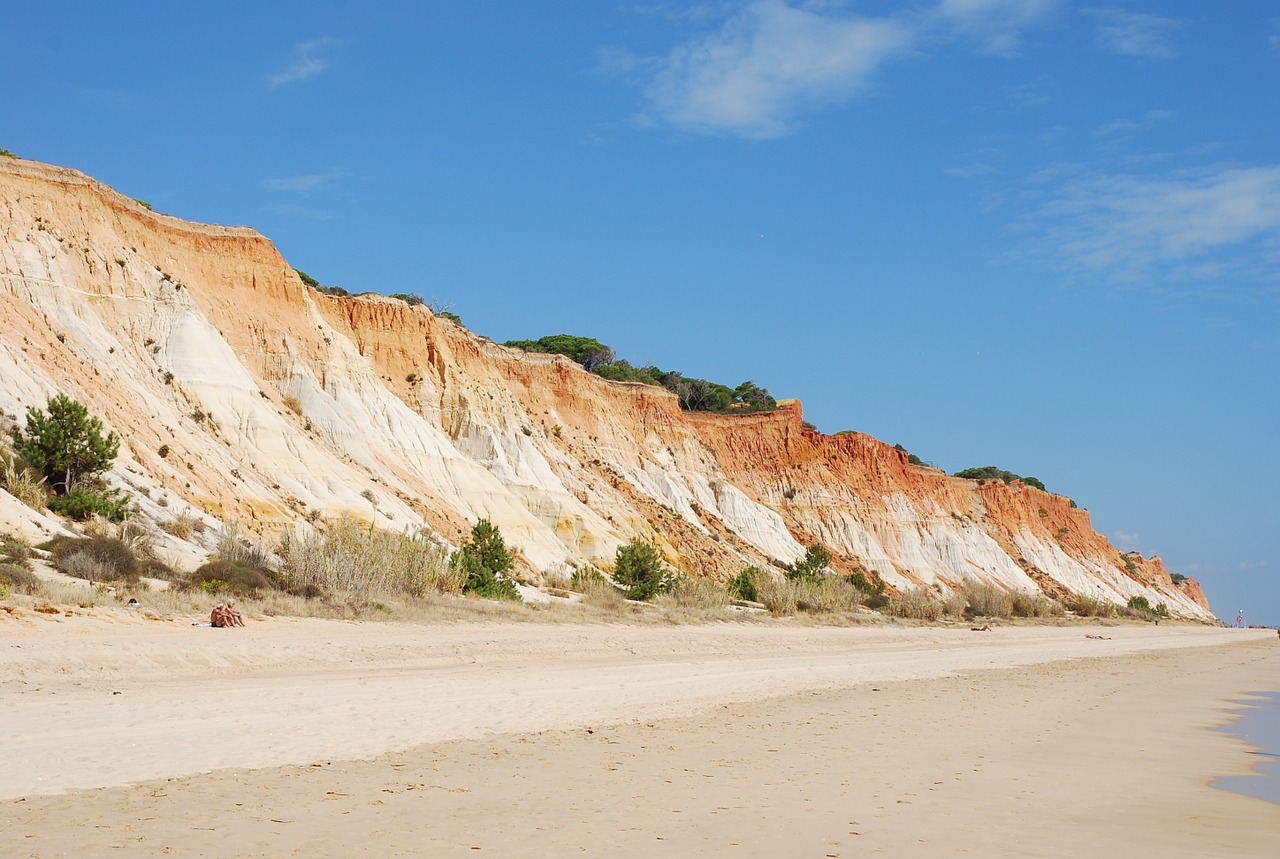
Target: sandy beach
x: 328, y: 738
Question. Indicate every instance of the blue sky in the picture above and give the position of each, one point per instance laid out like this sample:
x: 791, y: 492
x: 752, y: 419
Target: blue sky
x: 1036, y: 234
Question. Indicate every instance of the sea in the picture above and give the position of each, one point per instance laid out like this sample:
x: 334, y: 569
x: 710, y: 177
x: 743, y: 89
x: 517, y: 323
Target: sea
x: 1260, y: 728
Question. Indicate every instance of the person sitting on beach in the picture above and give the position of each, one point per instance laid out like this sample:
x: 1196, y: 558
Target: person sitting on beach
x: 233, y: 615
x: 218, y: 617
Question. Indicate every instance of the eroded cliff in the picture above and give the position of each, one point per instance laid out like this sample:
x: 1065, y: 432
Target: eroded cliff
x: 242, y: 392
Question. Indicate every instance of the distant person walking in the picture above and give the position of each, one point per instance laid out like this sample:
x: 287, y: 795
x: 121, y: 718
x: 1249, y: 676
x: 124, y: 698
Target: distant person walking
x: 1240, y: 620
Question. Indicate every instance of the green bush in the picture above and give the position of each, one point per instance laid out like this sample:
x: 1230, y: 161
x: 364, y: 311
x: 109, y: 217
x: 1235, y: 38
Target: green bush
x: 104, y: 559
x: 83, y: 501
x: 990, y: 472
x: 815, y: 561
x: 485, y: 563
x: 1139, y: 603
x: 238, y: 578
x: 870, y: 587
x: 746, y: 584
x: 640, y: 571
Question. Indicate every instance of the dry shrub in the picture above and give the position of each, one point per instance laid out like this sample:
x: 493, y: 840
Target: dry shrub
x: 233, y: 547
x: 1084, y: 606
x: 955, y: 604
x: 362, y: 562
x: 826, y: 594
x: 1034, y: 605
x: 695, y: 593
x: 987, y: 600
x: 777, y: 595
x: 137, y: 537
x: 916, y: 604
x: 293, y: 404
x: 183, y: 526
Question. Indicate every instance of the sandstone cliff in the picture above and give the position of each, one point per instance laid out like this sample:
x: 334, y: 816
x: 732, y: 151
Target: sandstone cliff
x: 242, y: 393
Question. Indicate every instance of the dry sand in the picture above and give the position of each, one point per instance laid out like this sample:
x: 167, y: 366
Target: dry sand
x: 547, y: 740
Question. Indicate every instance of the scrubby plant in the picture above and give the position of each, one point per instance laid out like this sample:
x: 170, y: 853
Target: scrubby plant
x: 238, y: 578
x: 588, y: 575
x: 103, y: 559
x: 1034, y: 605
x: 823, y: 594
x: 873, y: 587
x: 293, y: 404
x: 815, y: 561
x: 991, y: 472
x: 1139, y: 603
x: 916, y: 604
x: 694, y: 593
x: 363, y: 562
x: 486, y: 564
x: 183, y: 526
x: 986, y: 600
x: 640, y: 571
x: 1086, y: 606
x: 777, y: 595
x: 17, y: 579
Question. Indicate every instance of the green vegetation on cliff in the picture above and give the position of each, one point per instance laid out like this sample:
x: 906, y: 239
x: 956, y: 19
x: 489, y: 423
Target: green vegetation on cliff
x: 696, y: 395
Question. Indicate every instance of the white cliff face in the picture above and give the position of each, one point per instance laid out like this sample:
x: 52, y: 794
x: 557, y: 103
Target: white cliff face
x: 275, y: 406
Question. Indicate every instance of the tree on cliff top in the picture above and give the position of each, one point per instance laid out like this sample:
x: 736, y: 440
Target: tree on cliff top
x: 990, y: 472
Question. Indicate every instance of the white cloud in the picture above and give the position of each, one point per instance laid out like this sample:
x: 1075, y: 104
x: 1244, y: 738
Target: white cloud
x: 1252, y: 565
x: 768, y: 63
x: 1124, y: 127
x: 301, y: 183
x: 1126, y: 541
x: 995, y: 25
x: 304, y: 65
x: 1190, y: 224
x: 1135, y: 34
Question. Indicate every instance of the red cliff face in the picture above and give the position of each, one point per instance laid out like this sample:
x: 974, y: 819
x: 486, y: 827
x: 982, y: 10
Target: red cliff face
x: 277, y: 405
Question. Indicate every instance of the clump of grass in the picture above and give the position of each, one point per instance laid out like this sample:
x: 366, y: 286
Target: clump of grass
x: 916, y: 604
x: 599, y: 592
x: 584, y: 577
x: 21, y: 481
x: 183, y: 526
x: 293, y: 404
x: 746, y: 584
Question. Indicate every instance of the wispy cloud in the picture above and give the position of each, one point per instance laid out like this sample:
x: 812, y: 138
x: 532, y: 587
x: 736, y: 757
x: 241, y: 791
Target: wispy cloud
x: 1252, y: 565
x: 1126, y: 541
x: 764, y: 65
x: 1125, y: 127
x: 1187, y: 224
x: 301, y: 183
x: 995, y: 26
x: 1135, y: 34
x: 305, y: 64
